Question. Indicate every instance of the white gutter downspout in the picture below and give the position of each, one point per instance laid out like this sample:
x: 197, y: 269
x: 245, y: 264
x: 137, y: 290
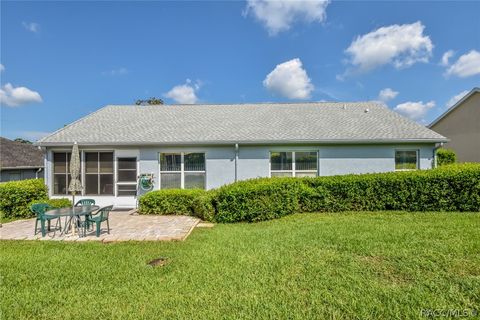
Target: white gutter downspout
x: 236, y: 162
x: 437, y: 146
x: 44, y: 151
x: 37, y: 172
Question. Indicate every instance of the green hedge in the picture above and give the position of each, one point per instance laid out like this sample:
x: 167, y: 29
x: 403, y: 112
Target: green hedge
x: 56, y: 203
x: 446, y: 156
x: 172, y: 201
x: 257, y: 200
x: 449, y: 188
x: 204, y: 206
x: 15, y: 197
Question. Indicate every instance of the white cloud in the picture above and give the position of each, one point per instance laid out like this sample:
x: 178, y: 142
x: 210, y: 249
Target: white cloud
x: 415, y: 110
x: 31, y: 26
x: 446, y: 57
x: 399, y: 45
x: 456, y: 98
x: 289, y: 80
x: 467, y: 65
x: 387, y: 94
x: 2, y: 67
x: 17, y: 96
x: 184, y: 93
x: 279, y: 15
x: 115, y: 72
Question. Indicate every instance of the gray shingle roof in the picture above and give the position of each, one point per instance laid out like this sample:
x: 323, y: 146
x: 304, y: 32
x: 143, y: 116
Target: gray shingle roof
x: 243, y: 123
x: 18, y: 155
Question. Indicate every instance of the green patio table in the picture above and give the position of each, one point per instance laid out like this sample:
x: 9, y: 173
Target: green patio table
x: 71, y: 213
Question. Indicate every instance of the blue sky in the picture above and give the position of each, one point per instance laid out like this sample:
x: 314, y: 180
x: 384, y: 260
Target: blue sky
x: 63, y: 60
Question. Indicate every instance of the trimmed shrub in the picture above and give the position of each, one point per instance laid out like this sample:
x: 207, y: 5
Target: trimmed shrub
x: 16, y: 195
x: 56, y: 203
x: 204, y: 206
x: 171, y: 201
x: 446, y: 156
x: 60, y: 202
x: 258, y: 199
x: 450, y: 188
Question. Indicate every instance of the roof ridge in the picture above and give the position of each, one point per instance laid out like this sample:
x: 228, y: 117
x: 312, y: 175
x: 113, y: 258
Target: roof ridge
x: 374, y: 102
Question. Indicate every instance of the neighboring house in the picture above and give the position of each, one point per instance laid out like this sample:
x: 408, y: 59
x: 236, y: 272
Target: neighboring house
x: 20, y: 161
x: 207, y: 146
x: 461, y: 124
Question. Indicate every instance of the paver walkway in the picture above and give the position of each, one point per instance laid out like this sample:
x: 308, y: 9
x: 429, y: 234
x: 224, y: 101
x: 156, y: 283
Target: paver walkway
x: 123, y: 227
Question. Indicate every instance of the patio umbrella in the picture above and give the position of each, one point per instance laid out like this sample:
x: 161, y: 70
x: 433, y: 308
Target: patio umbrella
x: 75, y: 184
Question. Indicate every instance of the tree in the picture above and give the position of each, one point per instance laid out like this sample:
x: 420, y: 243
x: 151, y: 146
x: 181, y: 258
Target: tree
x: 149, y: 102
x: 21, y: 140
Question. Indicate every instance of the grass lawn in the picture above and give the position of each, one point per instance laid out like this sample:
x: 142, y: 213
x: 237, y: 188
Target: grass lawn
x: 350, y: 265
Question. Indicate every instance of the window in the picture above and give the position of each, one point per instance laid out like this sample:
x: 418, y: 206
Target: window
x: 14, y: 176
x: 98, y: 173
x: 126, y: 176
x: 194, y: 170
x: 170, y: 171
x: 406, y: 159
x: 182, y: 170
x: 281, y: 163
x: 61, y: 172
x: 294, y: 164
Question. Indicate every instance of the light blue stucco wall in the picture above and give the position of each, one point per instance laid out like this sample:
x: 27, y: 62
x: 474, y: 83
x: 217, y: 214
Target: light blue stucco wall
x: 220, y: 166
x: 254, y: 162
x: 335, y: 160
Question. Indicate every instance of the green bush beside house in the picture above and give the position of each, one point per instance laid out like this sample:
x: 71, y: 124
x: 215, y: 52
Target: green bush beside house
x: 56, y: 203
x: 446, y: 156
x: 449, y: 188
x: 16, y: 197
x: 172, y: 201
x: 257, y: 200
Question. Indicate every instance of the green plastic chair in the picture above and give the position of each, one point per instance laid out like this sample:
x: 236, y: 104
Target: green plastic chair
x: 39, y: 210
x: 100, y: 216
x: 85, y: 202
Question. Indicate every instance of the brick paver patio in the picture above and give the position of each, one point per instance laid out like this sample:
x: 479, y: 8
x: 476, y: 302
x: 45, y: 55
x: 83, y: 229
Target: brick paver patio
x: 123, y: 227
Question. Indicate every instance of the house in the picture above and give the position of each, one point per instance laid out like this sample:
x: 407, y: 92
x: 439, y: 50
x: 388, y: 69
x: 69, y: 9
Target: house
x: 207, y: 146
x: 20, y: 161
x: 461, y: 124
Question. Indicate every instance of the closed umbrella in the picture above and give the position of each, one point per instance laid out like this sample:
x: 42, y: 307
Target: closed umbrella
x: 75, y: 184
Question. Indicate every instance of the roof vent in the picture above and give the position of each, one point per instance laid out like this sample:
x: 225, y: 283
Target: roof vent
x: 344, y: 107
x: 366, y: 110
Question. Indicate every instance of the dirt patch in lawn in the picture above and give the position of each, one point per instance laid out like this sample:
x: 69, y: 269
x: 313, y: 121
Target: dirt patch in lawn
x: 386, y: 270
x: 159, y: 262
